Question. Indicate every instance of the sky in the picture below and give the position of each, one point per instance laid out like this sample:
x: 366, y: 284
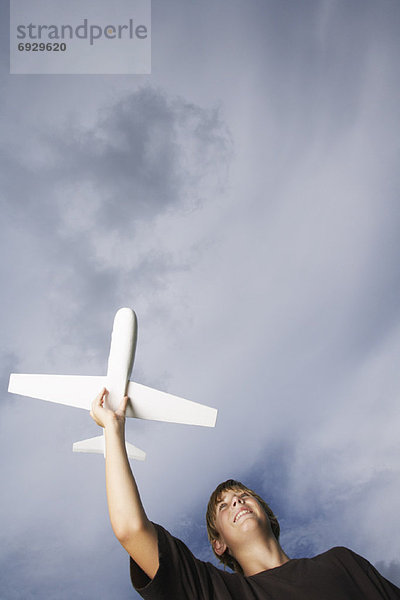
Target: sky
x: 243, y: 199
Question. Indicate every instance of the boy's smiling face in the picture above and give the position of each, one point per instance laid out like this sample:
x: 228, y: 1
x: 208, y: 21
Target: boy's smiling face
x: 238, y: 513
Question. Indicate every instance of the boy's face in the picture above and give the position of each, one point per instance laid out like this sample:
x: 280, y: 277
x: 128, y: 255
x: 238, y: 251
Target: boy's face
x: 238, y: 514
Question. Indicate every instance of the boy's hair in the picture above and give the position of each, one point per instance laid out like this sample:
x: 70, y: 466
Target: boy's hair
x: 213, y: 534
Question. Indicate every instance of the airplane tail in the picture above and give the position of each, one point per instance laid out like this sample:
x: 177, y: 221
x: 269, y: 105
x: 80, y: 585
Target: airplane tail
x: 96, y: 445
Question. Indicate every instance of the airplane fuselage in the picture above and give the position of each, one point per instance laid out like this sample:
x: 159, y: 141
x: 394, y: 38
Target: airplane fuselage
x: 121, y: 357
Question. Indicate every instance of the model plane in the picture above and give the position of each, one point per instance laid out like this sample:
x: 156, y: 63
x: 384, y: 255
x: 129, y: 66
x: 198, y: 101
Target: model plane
x: 144, y: 402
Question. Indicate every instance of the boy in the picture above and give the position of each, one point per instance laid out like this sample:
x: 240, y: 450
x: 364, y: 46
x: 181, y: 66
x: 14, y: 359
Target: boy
x: 244, y: 534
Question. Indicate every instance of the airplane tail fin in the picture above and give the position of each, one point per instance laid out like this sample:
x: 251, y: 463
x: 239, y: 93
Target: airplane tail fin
x: 96, y: 445
x: 93, y: 445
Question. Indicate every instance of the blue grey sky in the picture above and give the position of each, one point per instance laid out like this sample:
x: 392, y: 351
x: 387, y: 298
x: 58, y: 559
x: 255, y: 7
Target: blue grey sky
x: 244, y: 200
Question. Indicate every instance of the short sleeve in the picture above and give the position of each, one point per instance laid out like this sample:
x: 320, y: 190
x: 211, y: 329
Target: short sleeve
x: 384, y: 588
x: 180, y: 575
x: 387, y: 589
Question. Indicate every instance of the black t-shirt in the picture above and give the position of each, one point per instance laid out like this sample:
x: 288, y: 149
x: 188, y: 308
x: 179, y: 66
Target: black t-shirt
x: 338, y: 574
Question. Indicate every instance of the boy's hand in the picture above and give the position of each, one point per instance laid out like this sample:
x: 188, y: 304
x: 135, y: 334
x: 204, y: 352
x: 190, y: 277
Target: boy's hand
x: 103, y: 415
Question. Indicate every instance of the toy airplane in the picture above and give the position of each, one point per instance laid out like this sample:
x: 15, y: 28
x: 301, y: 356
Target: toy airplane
x: 144, y: 403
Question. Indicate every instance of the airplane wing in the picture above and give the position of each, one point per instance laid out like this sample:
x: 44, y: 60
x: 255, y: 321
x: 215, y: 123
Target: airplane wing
x: 72, y: 390
x: 148, y: 403
x: 145, y: 402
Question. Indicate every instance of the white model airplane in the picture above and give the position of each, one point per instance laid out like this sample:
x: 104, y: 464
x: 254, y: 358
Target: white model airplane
x: 144, y: 403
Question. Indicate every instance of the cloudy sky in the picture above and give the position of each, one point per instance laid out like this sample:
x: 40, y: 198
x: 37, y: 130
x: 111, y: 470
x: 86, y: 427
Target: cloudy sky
x: 244, y: 200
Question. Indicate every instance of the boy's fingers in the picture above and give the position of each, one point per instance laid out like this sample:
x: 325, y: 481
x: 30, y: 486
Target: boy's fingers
x: 100, y: 396
x: 99, y: 400
x: 95, y: 419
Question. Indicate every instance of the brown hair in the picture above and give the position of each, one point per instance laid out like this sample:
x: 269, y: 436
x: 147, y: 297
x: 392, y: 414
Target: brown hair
x: 213, y: 534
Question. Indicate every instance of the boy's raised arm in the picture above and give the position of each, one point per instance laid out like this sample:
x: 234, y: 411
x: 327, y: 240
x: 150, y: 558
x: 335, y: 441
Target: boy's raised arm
x: 128, y: 519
